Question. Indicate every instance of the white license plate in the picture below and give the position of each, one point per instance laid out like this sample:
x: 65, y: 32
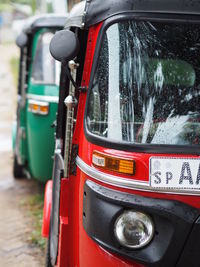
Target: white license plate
x: 174, y: 173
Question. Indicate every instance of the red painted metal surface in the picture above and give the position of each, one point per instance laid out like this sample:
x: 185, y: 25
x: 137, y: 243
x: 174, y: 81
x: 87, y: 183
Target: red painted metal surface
x: 91, y: 44
x: 91, y: 254
x: 47, y: 208
x: 68, y: 254
x: 76, y: 248
x: 142, y: 171
x: 64, y: 248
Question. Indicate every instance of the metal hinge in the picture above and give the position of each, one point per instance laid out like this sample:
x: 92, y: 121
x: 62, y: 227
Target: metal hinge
x: 74, y: 154
x: 83, y: 89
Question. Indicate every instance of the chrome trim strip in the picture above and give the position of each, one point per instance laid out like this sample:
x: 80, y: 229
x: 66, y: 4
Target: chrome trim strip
x: 42, y: 82
x: 39, y: 103
x: 52, y: 99
x: 127, y: 183
x: 57, y: 151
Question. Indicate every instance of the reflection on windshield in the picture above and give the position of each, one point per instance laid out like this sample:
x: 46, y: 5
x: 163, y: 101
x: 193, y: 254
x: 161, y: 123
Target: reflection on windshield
x: 45, y: 69
x: 146, y: 87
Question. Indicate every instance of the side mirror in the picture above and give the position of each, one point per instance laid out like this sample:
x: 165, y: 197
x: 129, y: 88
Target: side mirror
x: 64, y: 46
x: 22, y: 40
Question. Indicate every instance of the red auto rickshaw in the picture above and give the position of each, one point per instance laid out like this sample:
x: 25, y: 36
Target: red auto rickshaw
x: 126, y: 179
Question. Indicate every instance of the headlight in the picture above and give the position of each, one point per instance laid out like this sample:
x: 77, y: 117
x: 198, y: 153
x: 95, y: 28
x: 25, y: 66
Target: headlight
x: 134, y: 229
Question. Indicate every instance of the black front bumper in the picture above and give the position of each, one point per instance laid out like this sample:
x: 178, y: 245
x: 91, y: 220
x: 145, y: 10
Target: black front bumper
x: 177, y: 226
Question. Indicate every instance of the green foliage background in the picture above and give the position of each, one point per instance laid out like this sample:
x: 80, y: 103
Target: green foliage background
x: 7, y: 4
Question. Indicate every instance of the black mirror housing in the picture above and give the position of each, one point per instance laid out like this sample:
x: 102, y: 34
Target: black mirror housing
x: 64, y: 45
x: 22, y: 40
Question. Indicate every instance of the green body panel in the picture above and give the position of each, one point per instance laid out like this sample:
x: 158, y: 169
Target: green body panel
x: 36, y: 138
x: 43, y: 90
x: 40, y: 142
x: 40, y: 134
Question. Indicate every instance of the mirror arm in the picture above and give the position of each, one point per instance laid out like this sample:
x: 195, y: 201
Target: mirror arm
x: 71, y: 78
x: 78, y: 88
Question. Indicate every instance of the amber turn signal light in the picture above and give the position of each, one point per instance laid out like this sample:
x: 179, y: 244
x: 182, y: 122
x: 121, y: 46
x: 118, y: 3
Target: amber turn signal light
x: 38, y: 107
x: 113, y: 163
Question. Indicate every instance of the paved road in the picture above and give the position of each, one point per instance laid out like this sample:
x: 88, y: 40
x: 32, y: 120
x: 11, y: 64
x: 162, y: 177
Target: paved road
x: 15, y: 250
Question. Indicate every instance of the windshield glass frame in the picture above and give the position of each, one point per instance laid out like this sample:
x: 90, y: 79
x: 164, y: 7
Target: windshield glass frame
x: 123, y: 145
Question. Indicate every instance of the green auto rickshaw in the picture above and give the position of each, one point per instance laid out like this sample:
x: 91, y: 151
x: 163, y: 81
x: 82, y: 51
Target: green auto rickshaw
x: 38, y: 91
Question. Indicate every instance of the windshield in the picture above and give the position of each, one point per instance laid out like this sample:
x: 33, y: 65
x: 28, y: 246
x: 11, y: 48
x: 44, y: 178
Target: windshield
x: 45, y: 69
x: 146, y: 88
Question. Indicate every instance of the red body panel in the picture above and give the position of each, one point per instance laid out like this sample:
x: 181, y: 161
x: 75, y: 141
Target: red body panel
x: 69, y: 203
x: 64, y: 244
x: 142, y: 171
x: 47, y: 208
x: 76, y: 248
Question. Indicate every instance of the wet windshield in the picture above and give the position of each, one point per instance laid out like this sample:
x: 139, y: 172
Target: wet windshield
x: 146, y: 88
x: 45, y: 69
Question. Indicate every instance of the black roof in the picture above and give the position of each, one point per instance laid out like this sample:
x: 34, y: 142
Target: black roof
x: 90, y: 12
x: 44, y: 21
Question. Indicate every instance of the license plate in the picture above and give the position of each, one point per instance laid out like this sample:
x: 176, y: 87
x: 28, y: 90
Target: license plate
x: 174, y: 173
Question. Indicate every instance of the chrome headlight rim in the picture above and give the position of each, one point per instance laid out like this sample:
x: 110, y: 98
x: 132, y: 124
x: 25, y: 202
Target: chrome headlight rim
x: 142, y: 244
